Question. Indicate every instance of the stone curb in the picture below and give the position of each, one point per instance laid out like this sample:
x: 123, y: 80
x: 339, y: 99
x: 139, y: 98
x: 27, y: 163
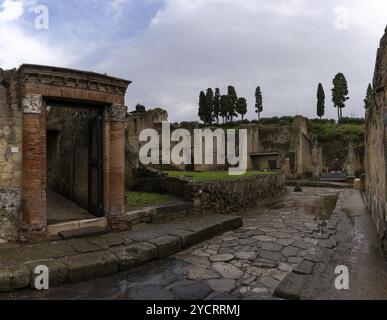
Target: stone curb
x: 109, y: 254
x: 319, y: 184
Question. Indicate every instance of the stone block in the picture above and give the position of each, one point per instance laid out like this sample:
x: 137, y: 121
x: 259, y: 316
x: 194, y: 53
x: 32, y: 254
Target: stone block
x: 230, y: 223
x: 291, y: 287
x: 58, y: 272
x: 305, y: 267
x: 84, y: 246
x: 206, y: 230
x: 90, y: 266
x: 167, y: 245
x: 134, y: 255
x: 14, y: 278
x: 188, y: 238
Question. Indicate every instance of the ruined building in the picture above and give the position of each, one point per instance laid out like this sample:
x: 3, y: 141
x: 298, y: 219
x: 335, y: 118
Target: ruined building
x: 285, y: 147
x: 61, y: 150
x: 376, y: 142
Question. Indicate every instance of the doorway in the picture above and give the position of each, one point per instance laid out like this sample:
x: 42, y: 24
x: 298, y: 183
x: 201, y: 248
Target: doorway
x: 74, y: 148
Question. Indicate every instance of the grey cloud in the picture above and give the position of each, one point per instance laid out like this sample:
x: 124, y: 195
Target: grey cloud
x: 285, y: 48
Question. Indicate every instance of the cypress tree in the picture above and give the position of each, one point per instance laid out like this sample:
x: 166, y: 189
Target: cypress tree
x: 320, y: 101
x: 367, y: 100
x: 339, y: 93
x: 258, y: 102
x: 202, y: 106
x: 225, y: 106
x: 216, y: 112
x: 233, y: 100
x: 209, y: 106
x: 241, y: 107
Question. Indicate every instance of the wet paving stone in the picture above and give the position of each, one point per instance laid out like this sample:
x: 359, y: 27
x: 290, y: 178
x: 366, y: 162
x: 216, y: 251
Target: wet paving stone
x: 150, y: 292
x: 222, y: 258
x: 227, y: 271
x: 194, y: 291
x: 248, y: 263
x: 271, y: 247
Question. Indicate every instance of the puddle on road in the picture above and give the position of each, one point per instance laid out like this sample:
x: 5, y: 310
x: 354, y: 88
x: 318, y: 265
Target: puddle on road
x: 326, y: 207
x: 323, y: 211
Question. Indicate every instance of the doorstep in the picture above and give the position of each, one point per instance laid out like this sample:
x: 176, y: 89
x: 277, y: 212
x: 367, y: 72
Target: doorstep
x: 54, y: 229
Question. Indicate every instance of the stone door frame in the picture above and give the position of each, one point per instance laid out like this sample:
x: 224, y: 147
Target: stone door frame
x: 40, y: 83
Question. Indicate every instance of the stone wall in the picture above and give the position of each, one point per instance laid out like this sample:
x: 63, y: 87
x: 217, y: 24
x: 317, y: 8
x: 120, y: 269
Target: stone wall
x: 10, y: 156
x: 218, y: 197
x: 375, y: 159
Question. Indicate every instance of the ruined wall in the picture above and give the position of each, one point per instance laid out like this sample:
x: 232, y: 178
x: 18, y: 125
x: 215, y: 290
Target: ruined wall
x: 10, y: 156
x: 305, y: 159
x: 375, y: 144
x: 317, y: 158
x: 220, y: 196
x: 68, y: 142
x: 134, y: 124
x: 291, y: 142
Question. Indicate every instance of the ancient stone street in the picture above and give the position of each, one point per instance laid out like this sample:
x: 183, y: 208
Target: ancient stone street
x: 286, y: 250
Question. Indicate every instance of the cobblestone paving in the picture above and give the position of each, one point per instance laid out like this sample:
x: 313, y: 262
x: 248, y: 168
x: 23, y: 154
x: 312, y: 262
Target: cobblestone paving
x: 247, y: 263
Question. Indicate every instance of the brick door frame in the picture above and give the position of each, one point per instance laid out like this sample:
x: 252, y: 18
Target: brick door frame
x: 34, y: 94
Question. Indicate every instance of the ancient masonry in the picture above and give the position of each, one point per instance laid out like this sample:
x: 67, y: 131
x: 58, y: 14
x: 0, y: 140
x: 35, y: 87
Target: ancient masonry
x: 286, y: 147
x: 25, y: 95
x: 375, y: 149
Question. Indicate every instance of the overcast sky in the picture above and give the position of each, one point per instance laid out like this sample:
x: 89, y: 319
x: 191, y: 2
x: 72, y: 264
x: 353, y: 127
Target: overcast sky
x: 172, y: 49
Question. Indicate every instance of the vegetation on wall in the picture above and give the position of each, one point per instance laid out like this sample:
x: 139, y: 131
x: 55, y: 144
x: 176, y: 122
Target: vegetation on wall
x: 335, y: 137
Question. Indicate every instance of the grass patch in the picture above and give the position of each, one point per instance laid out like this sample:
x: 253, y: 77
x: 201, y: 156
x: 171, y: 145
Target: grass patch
x: 213, y: 175
x: 144, y: 199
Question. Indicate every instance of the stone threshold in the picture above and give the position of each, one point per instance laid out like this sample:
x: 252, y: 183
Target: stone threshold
x: 292, y: 286
x: 151, y: 214
x: 84, y: 259
x: 54, y: 229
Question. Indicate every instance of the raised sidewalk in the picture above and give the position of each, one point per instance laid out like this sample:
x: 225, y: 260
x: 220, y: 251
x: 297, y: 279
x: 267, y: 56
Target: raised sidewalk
x: 88, y: 258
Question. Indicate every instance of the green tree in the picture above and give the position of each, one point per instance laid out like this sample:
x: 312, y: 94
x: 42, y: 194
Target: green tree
x: 233, y: 99
x: 140, y: 108
x: 258, y: 102
x: 367, y: 100
x: 225, y: 106
x: 339, y: 93
x: 209, y: 105
x: 320, y: 101
x: 241, y: 107
x: 202, y: 106
x: 216, y: 112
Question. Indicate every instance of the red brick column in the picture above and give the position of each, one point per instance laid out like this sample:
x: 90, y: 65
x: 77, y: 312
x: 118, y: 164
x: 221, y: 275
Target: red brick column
x: 106, y: 169
x: 34, y: 220
x: 117, y: 167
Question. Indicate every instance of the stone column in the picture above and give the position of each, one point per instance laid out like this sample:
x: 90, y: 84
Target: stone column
x: 350, y: 162
x: 34, y: 219
x: 117, y: 166
x: 316, y: 158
